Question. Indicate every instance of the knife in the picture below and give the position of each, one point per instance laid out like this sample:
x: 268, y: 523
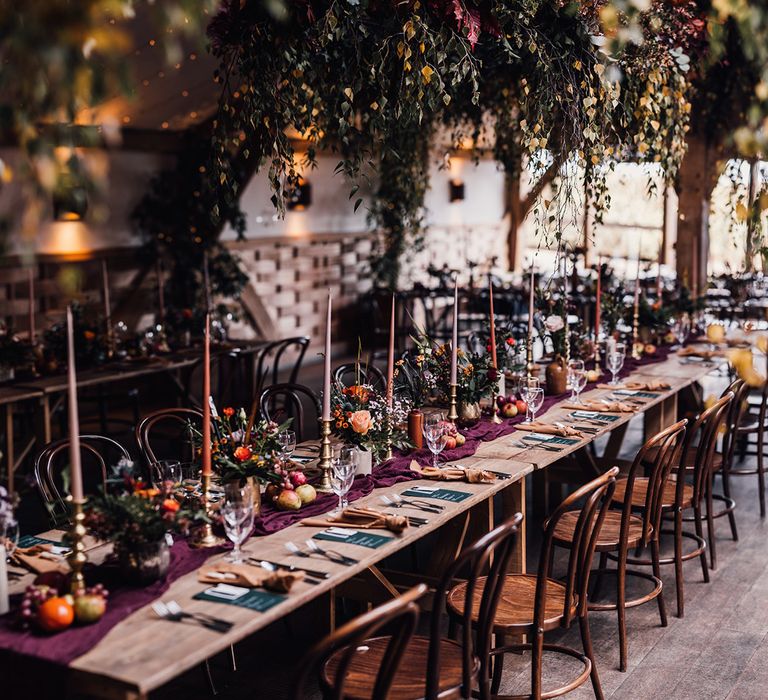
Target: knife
x: 288, y: 567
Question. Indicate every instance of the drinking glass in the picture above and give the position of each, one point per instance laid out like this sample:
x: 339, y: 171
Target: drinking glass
x: 237, y: 512
x: 287, y: 442
x: 681, y: 327
x: 434, y: 432
x: 533, y: 395
x: 343, y: 468
x: 574, y: 366
x: 166, y: 471
x: 615, y: 361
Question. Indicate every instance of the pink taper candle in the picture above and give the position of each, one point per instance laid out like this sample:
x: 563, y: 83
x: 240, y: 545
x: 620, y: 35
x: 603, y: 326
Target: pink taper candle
x: 637, y: 284
x: 493, y: 326
x: 530, y: 307
x: 107, y: 304
x: 31, y: 305
x: 455, y: 336
x: 391, y: 356
x: 206, y: 428
x: 327, y: 363
x: 597, y: 298
x: 75, y: 469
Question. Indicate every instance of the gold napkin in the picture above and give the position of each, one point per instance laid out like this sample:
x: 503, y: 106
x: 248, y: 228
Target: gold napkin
x: 652, y: 385
x: 547, y: 429
x: 607, y: 407
x: 471, y: 476
x: 39, y: 559
x: 361, y: 518
x: 250, y: 576
x: 700, y: 352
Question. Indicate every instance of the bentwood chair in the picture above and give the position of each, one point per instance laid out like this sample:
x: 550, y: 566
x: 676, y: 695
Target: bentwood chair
x: 535, y: 604
x: 171, y: 427
x: 353, y: 664
x: 98, y: 455
x: 754, y: 424
x: 682, y: 494
x: 623, y: 530
x: 286, y: 355
x: 351, y: 373
x: 280, y: 402
x: 435, y: 667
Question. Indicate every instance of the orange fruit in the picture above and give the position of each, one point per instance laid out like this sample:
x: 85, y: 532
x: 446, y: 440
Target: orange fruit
x: 55, y: 615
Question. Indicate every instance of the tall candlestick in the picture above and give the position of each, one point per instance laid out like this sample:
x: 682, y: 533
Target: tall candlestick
x: 206, y: 427
x: 493, y: 326
x: 455, y: 336
x: 105, y: 294
x: 327, y: 363
x: 565, y: 306
x: 530, y: 308
x: 391, y: 356
x: 75, y: 469
x: 598, y: 301
x: 658, y: 273
x: 636, y: 312
x: 206, y: 282
x: 160, y: 293
x: 31, y: 305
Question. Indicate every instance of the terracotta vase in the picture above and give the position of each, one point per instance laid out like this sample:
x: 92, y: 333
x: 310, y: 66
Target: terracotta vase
x: 469, y: 413
x: 415, y: 425
x: 557, y: 376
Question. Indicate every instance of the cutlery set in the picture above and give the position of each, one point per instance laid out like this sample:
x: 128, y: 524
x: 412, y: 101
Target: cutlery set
x: 172, y: 611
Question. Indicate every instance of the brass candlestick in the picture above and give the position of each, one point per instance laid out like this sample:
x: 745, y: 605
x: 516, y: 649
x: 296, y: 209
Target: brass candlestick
x: 494, y: 403
x: 635, y: 326
x: 77, y: 558
x: 453, y: 414
x: 325, y: 456
x: 530, y: 366
x: 207, y: 538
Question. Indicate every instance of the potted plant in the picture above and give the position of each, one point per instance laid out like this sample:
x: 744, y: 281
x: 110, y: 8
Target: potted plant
x: 136, y: 519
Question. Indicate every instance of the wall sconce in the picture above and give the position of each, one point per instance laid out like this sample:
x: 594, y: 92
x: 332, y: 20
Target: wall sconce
x: 300, y: 197
x: 456, y: 190
x: 70, y: 203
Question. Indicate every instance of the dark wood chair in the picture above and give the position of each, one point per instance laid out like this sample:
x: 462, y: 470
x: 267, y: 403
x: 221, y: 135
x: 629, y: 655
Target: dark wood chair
x: 275, y: 358
x: 280, y: 402
x: 535, y: 604
x: 170, y: 425
x: 351, y: 373
x: 346, y: 655
x: 435, y: 667
x: 691, y: 487
x: 624, y: 530
x: 98, y: 455
x: 755, y: 424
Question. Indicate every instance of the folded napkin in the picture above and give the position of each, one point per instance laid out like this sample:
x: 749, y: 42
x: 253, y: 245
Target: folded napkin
x: 361, y: 519
x: 700, y: 352
x: 652, y: 385
x: 453, y: 473
x: 601, y: 406
x: 39, y: 559
x: 250, y: 576
x: 547, y: 429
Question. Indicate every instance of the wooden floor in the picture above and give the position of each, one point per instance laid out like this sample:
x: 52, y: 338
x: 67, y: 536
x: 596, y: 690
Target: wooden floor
x: 718, y: 650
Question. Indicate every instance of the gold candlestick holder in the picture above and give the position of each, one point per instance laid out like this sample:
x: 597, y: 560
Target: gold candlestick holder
x: 207, y: 538
x: 530, y: 366
x: 325, y: 456
x: 453, y: 413
x: 636, y: 355
x: 77, y: 558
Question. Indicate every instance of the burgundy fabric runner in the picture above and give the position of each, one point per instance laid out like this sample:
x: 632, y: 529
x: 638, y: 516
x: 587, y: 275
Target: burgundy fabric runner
x: 66, y: 646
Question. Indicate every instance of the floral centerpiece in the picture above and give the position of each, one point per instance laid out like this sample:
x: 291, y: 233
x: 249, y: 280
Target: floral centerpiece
x: 136, y: 519
x: 360, y: 416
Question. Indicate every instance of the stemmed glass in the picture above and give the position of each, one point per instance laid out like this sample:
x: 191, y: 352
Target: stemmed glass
x: 237, y: 513
x: 681, y: 327
x: 434, y: 432
x: 167, y: 471
x: 343, y: 468
x: 533, y: 395
x: 287, y: 442
x: 577, y: 379
x: 615, y: 361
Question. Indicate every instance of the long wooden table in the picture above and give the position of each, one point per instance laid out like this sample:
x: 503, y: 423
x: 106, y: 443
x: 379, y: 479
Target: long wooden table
x: 143, y: 652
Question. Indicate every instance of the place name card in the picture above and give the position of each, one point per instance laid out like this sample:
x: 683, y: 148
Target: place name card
x: 594, y: 415
x: 363, y: 539
x: 552, y: 439
x: 251, y: 598
x: 436, y: 493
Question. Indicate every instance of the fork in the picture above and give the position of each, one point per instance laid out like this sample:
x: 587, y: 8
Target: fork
x: 583, y: 428
x: 164, y: 611
x: 331, y: 554
x: 175, y: 609
x: 417, y: 502
x: 294, y: 549
x: 543, y: 446
x: 397, y: 502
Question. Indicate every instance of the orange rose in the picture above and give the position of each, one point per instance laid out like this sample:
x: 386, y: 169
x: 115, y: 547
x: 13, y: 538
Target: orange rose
x: 229, y: 411
x: 170, y: 505
x: 361, y: 422
x: 89, y: 335
x: 243, y: 453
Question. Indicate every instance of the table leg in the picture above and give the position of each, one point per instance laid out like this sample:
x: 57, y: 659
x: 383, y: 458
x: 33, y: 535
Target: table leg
x: 660, y: 416
x: 615, y: 441
x: 513, y: 501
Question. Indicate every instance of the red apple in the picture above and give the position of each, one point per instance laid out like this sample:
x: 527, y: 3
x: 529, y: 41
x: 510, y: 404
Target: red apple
x: 307, y: 493
x: 522, y: 407
x: 89, y: 608
x: 509, y: 410
x: 449, y: 441
x: 288, y: 500
x: 298, y: 478
x: 460, y: 439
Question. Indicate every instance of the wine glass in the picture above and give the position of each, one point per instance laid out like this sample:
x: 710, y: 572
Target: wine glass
x: 287, y: 442
x: 574, y: 366
x: 434, y: 432
x: 166, y: 472
x: 343, y: 468
x: 681, y: 328
x: 615, y: 361
x: 237, y: 513
x: 533, y: 395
